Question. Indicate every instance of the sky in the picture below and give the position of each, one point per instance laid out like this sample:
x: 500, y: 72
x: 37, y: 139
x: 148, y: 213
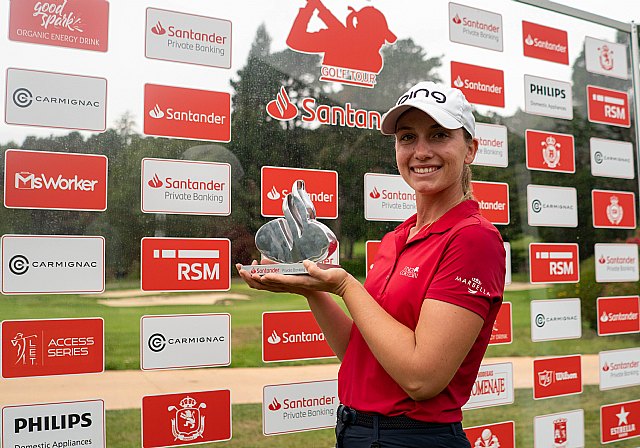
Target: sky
x: 127, y: 70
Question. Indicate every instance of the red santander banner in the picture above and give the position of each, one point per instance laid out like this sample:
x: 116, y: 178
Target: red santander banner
x: 52, y: 347
x: 549, y: 151
x: 480, y: 85
x: 613, y: 209
x: 502, y: 332
x: 82, y: 24
x: 187, y: 113
x: 493, y: 199
x: 554, y: 377
x: 620, y: 421
x: 55, y: 180
x: 554, y: 263
x: 618, y: 315
x: 185, y: 264
x: 543, y: 42
x: 321, y: 186
x: 292, y: 335
x: 186, y: 418
x: 502, y: 435
x: 608, y: 106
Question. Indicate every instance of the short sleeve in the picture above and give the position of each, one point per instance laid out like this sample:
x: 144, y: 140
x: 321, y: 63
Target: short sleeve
x: 471, y: 271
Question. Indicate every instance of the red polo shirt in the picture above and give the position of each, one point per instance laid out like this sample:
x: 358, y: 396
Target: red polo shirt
x: 459, y: 260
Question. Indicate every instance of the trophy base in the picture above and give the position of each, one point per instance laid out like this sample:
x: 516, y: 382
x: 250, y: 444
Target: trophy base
x: 283, y: 268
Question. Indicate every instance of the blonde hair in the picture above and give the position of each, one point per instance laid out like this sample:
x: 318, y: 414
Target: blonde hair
x: 466, y: 171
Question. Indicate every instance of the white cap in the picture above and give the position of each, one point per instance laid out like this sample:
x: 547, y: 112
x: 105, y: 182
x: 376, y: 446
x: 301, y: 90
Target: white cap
x: 446, y: 105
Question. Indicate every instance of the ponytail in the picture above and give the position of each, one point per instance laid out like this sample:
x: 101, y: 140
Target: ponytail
x: 466, y: 171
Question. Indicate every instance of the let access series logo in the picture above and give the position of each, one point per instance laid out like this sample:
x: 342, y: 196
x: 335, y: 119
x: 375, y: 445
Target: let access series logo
x: 82, y: 24
x: 186, y: 418
x: 185, y: 264
x: 187, y: 113
x: 57, y: 181
x: 52, y: 347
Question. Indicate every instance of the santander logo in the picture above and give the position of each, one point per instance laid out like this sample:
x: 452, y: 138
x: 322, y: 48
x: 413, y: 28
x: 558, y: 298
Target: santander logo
x: 274, y: 338
x: 282, y: 108
x: 273, y: 194
x: 275, y: 405
x: 156, y: 112
x: 155, y: 182
x: 458, y: 82
x: 158, y: 29
x: 375, y: 194
x: 457, y: 20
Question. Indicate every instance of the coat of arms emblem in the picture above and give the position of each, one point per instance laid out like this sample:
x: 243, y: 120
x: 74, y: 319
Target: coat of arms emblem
x: 614, y: 211
x: 188, y: 422
x: 551, y: 152
x: 606, y: 57
x: 545, y: 378
x: 560, y: 433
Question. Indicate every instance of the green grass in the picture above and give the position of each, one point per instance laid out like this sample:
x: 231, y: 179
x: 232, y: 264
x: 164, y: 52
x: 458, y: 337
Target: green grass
x: 122, y: 325
x: 123, y: 427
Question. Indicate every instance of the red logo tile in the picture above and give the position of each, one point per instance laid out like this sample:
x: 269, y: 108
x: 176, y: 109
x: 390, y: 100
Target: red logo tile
x: 608, y: 106
x: 613, y: 209
x: 618, y: 315
x: 321, y: 185
x: 186, y: 418
x: 502, y: 332
x: 548, y: 151
x: 554, y: 263
x: 553, y: 377
x: 493, y: 199
x: 480, y: 85
x: 543, y: 42
x: 52, y: 347
x: 55, y: 180
x: 187, y: 113
x: 501, y: 435
x: 185, y: 264
x: 372, y: 250
x: 619, y: 421
x: 292, y: 335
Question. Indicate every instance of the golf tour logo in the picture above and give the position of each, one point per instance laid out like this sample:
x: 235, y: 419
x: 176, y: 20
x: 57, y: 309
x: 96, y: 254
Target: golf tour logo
x: 351, y: 51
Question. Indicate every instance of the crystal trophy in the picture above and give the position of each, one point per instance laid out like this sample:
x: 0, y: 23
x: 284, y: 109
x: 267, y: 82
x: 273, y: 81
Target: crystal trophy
x: 296, y: 237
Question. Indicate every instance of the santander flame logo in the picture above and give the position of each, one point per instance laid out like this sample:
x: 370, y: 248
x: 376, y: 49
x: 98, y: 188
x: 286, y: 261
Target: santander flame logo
x: 274, y: 338
x: 606, y: 367
x: 273, y: 194
x: 602, y: 260
x: 158, y: 29
x: 156, y: 112
x: 528, y: 40
x: 604, y: 317
x: 375, y: 194
x: 282, y: 108
x: 458, y: 82
x: 457, y: 20
x: 155, y: 182
x: 275, y: 405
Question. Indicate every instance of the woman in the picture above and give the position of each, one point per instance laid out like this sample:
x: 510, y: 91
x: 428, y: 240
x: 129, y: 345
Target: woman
x: 419, y: 327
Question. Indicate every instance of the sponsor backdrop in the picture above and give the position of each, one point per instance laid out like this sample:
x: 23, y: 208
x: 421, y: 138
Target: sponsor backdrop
x: 142, y: 146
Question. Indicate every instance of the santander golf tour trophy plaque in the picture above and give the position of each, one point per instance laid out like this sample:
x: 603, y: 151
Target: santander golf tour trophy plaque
x: 296, y: 237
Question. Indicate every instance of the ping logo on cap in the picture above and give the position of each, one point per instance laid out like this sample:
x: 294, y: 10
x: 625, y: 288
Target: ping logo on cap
x: 439, y: 97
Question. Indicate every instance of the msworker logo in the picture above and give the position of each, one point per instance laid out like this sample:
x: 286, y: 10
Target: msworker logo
x: 56, y: 181
x: 187, y: 113
x: 543, y: 42
x: 185, y: 264
x: 480, y: 85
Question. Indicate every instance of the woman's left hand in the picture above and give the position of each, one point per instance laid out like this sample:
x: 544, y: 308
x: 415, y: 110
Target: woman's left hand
x: 333, y: 280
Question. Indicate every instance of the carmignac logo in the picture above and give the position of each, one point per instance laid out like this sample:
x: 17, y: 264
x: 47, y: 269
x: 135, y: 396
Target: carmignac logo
x: 22, y: 97
x: 598, y: 157
x: 540, y: 320
x: 19, y: 264
x: 157, y: 342
x: 536, y: 205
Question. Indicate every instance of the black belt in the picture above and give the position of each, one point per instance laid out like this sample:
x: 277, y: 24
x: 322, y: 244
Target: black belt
x: 350, y: 416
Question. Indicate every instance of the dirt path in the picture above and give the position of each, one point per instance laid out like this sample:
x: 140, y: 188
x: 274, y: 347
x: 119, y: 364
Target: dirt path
x: 124, y: 389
